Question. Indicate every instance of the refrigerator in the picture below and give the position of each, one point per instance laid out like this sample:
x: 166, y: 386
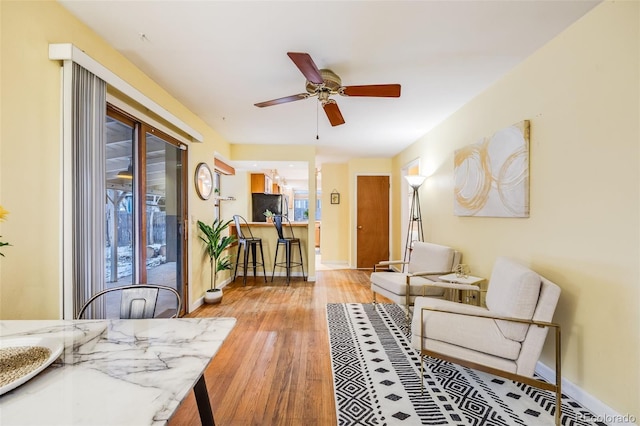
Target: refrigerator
x: 276, y: 203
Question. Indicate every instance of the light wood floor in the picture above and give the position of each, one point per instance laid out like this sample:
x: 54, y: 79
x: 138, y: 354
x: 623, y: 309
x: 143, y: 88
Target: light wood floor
x: 275, y: 367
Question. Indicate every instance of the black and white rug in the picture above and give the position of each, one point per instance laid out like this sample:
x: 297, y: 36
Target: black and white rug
x: 376, y: 377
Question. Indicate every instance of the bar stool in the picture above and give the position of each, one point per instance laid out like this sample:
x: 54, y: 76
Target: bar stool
x: 288, y: 242
x: 246, y: 240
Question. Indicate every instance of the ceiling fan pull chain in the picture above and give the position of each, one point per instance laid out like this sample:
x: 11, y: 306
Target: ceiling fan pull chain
x: 317, y: 113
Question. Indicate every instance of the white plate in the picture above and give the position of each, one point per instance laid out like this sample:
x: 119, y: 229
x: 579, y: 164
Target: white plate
x: 55, y: 345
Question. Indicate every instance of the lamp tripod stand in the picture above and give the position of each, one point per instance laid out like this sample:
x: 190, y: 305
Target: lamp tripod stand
x: 415, y: 216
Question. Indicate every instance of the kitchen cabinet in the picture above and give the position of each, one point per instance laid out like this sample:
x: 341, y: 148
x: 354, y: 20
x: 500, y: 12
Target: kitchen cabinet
x: 261, y: 183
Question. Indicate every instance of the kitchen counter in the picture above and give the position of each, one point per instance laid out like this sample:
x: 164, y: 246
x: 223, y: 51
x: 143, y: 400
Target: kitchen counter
x: 267, y: 231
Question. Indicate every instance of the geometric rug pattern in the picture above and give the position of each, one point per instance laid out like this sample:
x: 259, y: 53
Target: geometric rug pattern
x: 376, y: 377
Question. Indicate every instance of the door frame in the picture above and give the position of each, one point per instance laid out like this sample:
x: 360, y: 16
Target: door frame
x: 354, y: 216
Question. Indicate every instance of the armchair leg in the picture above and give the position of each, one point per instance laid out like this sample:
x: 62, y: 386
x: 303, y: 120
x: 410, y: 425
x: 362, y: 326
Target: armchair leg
x: 408, y: 302
x: 421, y: 374
x: 558, y: 376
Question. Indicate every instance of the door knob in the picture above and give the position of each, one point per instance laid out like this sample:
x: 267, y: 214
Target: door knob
x: 359, y: 226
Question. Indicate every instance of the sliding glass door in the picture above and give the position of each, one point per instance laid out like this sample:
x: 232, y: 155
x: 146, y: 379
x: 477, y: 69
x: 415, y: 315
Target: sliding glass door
x: 146, y: 208
x: 165, y: 214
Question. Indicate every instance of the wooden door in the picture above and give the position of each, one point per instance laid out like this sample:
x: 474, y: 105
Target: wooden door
x: 372, y: 220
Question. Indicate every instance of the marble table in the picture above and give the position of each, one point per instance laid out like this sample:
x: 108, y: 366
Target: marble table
x: 115, y: 372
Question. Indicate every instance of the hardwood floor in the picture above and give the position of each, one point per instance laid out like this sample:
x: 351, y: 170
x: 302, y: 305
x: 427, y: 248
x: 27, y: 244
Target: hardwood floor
x: 275, y: 367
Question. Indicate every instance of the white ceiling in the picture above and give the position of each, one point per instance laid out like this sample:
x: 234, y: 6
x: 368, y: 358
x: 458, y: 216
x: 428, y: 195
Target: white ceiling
x: 220, y: 57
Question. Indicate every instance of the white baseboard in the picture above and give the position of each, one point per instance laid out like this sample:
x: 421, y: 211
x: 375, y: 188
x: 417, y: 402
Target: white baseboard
x: 195, y: 305
x: 602, y: 411
x: 277, y: 274
x: 200, y: 301
x: 341, y: 264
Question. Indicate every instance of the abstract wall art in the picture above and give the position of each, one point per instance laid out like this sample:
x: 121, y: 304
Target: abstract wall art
x: 492, y: 175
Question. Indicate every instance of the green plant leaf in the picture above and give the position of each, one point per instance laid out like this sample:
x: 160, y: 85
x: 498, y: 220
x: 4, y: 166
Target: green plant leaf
x: 215, y: 244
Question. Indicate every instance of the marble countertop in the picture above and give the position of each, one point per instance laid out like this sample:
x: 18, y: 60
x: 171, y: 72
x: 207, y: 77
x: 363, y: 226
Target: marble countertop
x: 113, y: 372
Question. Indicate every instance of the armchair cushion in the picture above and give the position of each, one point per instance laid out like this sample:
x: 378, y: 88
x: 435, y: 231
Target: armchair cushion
x: 513, y: 292
x: 428, y: 257
x: 396, y: 283
x: 474, y: 333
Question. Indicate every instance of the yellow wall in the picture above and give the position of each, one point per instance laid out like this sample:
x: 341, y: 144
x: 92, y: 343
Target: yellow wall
x: 581, y: 92
x: 334, y: 246
x: 30, y: 146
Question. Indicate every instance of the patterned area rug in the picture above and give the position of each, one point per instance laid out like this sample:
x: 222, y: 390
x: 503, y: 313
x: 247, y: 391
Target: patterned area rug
x: 376, y: 376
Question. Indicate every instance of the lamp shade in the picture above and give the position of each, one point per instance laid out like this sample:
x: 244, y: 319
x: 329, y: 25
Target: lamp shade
x: 415, y: 180
x: 126, y: 174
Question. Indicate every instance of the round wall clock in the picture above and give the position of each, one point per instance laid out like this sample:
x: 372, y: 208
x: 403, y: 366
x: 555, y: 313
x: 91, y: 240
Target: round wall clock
x: 204, y: 181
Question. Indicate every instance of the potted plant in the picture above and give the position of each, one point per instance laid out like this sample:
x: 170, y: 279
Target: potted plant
x: 215, y: 244
x: 269, y: 215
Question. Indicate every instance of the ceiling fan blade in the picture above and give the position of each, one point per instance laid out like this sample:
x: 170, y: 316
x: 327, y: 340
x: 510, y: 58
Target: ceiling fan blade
x: 306, y: 66
x: 286, y: 99
x: 333, y: 113
x: 374, y: 90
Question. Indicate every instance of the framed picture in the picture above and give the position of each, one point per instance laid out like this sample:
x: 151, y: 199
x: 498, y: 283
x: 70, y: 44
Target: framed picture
x: 335, y: 198
x: 492, y: 175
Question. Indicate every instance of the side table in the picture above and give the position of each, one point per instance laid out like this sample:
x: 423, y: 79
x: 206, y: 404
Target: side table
x: 467, y: 296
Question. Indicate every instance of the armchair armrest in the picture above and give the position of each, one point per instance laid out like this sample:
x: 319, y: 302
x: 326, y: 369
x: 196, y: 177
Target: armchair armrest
x: 388, y: 263
x: 486, y: 314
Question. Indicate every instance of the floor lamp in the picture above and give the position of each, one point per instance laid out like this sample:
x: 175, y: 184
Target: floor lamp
x: 415, y: 215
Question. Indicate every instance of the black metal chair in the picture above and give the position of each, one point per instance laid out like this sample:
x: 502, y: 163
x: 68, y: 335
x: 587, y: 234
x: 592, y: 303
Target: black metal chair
x: 246, y: 240
x: 287, y: 241
x: 137, y: 301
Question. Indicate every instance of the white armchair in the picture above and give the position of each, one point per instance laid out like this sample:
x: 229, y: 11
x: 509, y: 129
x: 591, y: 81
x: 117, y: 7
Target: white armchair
x: 505, y: 338
x: 426, y: 259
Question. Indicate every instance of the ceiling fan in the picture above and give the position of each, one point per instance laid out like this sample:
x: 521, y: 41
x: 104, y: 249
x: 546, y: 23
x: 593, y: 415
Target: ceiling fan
x: 323, y: 83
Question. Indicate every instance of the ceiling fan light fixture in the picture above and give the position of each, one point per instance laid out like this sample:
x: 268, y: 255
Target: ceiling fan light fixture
x: 323, y: 96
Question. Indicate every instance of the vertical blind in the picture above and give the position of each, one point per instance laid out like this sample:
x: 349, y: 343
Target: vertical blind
x: 88, y: 134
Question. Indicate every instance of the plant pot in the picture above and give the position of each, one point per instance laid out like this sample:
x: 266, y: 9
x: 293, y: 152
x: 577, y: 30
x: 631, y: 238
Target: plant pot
x: 213, y: 296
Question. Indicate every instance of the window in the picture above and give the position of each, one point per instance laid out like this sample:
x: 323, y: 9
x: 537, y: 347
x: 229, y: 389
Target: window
x: 301, y: 206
